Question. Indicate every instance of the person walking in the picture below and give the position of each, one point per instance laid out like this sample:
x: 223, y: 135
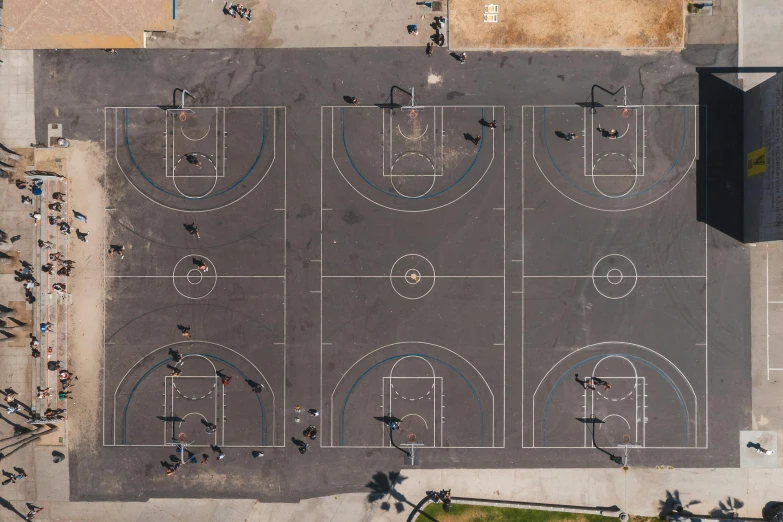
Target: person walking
x: 313, y: 412
x: 33, y: 512
x: 80, y: 216
x: 354, y: 101
x: 185, y: 330
x: 493, y: 124
x: 462, y: 58
x: 225, y: 379
x: 82, y: 236
x: 258, y: 388
x: 211, y: 428
x: 204, y: 458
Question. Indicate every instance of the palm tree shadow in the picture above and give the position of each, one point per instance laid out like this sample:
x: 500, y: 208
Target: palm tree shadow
x: 727, y: 509
x: 672, y: 504
x: 382, y: 486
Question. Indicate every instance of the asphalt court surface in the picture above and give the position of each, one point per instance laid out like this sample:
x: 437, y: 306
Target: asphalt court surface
x: 234, y: 304
x: 427, y: 354
x: 371, y: 264
x: 611, y: 245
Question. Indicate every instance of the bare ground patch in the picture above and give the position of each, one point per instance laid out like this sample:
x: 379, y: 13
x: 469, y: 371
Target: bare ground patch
x: 594, y: 24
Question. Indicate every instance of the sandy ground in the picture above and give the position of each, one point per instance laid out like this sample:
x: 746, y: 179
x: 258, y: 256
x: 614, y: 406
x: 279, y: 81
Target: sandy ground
x: 594, y: 24
x: 86, y: 194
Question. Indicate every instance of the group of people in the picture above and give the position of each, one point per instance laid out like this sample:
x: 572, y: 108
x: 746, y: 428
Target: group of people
x: 239, y: 9
x: 12, y: 478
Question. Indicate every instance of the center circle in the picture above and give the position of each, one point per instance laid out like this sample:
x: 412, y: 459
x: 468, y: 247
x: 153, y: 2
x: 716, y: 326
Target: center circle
x: 614, y: 276
x: 194, y: 276
x: 187, y: 269
x: 413, y: 269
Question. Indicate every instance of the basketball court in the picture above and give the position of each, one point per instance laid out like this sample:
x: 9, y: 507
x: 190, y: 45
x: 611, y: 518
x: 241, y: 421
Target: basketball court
x: 615, y: 279
x: 222, y: 170
x: 413, y: 277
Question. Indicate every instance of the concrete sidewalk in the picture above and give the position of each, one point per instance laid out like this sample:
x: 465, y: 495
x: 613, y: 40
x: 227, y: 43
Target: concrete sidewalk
x: 720, y: 493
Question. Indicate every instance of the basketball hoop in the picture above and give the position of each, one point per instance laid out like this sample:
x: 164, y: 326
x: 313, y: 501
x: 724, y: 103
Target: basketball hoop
x: 626, y: 439
x: 412, y: 438
x: 412, y: 114
x: 182, y: 116
x: 626, y: 112
x: 182, y: 437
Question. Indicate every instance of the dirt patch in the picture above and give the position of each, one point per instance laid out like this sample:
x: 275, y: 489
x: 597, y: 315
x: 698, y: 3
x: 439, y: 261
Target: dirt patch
x: 85, y: 332
x: 588, y: 24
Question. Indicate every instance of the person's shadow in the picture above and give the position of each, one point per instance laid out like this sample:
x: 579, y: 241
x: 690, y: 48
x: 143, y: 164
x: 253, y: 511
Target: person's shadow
x: 297, y: 442
x: 455, y: 56
x: 560, y: 134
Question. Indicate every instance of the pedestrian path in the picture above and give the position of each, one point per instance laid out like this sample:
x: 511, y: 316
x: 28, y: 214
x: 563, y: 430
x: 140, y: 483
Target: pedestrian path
x: 17, y: 99
x: 645, y: 492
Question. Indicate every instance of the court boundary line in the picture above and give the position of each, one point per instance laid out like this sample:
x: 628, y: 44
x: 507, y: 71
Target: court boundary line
x: 124, y: 181
x: 324, y: 108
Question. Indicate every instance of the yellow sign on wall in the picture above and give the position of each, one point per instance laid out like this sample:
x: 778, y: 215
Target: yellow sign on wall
x: 757, y: 161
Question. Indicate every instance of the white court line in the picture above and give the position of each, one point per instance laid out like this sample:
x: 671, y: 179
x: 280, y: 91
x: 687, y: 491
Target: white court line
x: 261, y: 179
x: 105, y: 166
x: 285, y: 267
x: 204, y: 276
x: 579, y: 349
x: 522, y: 301
x: 602, y: 277
x: 321, y: 279
x: 492, y: 394
x: 334, y: 160
x: 684, y: 175
x: 402, y: 276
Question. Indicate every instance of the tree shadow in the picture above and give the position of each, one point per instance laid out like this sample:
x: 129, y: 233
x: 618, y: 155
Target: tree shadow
x: 771, y: 510
x: 672, y: 504
x: 728, y: 508
x: 382, y: 485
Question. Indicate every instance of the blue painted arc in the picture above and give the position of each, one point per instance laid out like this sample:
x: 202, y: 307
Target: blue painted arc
x: 176, y: 195
x: 472, y: 389
x: 577, y: 187
x: 646, y: 363
x: 425, y: 196
x: 127, y: 405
